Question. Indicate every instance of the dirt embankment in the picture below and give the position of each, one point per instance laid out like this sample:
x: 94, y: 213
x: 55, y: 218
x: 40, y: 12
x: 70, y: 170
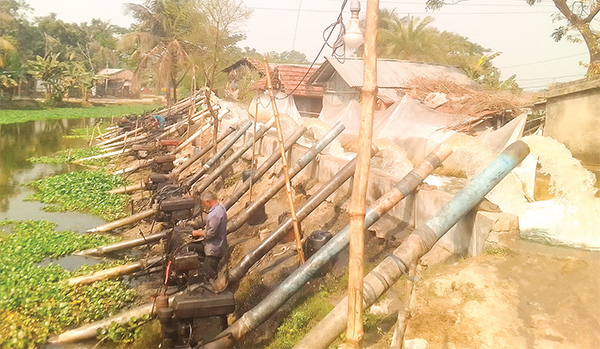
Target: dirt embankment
x: 534, y: 297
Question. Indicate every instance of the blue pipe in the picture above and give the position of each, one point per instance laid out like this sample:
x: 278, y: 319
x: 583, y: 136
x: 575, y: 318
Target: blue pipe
x: 380, y: 279
x: 254, y: 317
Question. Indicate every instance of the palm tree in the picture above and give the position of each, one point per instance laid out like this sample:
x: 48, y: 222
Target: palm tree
x: 158, y: 41
x: 406, y: 38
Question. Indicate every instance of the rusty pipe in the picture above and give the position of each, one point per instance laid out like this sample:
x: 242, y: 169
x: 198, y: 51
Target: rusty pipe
x: 291, y: 140
x: 245, y: 126
x: 257, y: 315
x: 302, y: 162
x: 417, y: 244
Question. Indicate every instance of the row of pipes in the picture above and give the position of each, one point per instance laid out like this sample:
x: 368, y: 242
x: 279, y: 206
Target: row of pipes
x: 375, y: 283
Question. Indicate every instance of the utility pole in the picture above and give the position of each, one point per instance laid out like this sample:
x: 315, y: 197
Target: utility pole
x: 354, y: 330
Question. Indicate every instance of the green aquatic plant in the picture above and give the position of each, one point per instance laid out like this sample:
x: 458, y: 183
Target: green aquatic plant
x: 66, y: 156
x: 35, y: 301
x: 125, y: 333
x: 82, y: 191
x: 117, y: 111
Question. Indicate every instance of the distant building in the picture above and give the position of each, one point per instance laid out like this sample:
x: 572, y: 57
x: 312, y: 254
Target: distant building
x: 342, y: 80
x: 573, y: 118
x: 288, y: 79
x: 118, y: 83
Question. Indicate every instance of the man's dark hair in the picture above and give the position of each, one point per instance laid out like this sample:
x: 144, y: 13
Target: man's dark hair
x: 208, y: 195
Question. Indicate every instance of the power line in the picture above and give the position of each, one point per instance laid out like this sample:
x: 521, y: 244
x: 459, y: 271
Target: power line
x: 411, y: 12
x: 552, y: 78
x: 522, y: 4
x: 544, y: 61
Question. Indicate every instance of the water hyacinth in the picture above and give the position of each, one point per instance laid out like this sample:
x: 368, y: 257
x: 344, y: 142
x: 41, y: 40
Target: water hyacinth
x: 35, y: 301
x: 82, y: 191
x: 69, y: 155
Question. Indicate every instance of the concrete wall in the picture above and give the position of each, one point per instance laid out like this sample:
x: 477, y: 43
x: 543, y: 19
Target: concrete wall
x: 573, y: 118
x: 468, y: 237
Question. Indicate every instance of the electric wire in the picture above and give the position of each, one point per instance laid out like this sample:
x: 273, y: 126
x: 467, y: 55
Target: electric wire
x: 338, y: 43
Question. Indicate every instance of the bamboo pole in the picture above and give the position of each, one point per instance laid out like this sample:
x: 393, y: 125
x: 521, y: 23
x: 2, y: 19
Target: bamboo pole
x: 380, y: 279
x: 293, y: 283
x: 354, y: 329
x: 288, y: 182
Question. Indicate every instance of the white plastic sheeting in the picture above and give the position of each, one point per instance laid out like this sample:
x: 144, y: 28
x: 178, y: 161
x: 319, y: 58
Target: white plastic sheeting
x: 412, y: 126
x: 285, y: 106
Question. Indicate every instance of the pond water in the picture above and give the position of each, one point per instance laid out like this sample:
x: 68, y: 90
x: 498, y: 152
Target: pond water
x: 18, y: 142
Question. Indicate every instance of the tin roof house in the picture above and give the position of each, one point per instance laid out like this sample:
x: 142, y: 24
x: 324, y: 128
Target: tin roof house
x: 119, y: 83
x: 289, y: 84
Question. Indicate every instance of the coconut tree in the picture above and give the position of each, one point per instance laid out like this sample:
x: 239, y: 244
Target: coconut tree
x: 158, y: 41
x: 407, y: 38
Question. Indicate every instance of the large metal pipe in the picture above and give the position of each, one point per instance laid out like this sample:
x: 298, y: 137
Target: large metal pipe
x: 118, y: 246
x: 124, y: 221
x: 116, y: 272
x: 233, y: 158
x: 91, y: 330
x: 141, y: 215
x: 176, y: 171
x: 245, y: 126
x: 240, y: 269
x: 131, y: 141
x: 101, y: 156
x: 257, y: 315
x: 416, y: 245
x: 304, y: 160
x: 259, y: 172
x: 196, y: 134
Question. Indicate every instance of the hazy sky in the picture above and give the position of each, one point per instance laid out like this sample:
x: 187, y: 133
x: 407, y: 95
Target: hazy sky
x: 520, y: 32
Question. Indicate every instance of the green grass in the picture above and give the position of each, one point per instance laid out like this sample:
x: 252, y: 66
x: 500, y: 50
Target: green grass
x: 36, y: 302
x: 307, y: 314
x: 82, y: 191
x: 17, y: 116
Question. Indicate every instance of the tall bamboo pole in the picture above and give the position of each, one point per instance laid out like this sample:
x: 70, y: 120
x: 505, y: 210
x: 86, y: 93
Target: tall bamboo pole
x: 354, y: 330
x: 288, y: 182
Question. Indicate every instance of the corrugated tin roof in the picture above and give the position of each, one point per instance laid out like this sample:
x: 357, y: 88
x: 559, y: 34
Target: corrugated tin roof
x: 390, y: 73
x: 108, y: 72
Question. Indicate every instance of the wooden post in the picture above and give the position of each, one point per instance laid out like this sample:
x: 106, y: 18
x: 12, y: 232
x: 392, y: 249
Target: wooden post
x: 354, y: 329
x: 288, y: 182
x: 404, y: 314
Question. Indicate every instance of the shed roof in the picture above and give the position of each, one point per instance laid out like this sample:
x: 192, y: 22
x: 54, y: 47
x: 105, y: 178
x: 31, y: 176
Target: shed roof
x: 292, y: 77
x: 390, y: 73
x: 250, y: 63
x: 122, y: 74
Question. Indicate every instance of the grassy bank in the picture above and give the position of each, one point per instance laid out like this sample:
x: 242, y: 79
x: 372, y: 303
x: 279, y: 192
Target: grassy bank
x: 117, y: 111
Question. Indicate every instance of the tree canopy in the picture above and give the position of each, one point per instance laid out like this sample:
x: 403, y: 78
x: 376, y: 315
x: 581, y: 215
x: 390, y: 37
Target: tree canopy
x: 412, y: 38
x: 579, y: 16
